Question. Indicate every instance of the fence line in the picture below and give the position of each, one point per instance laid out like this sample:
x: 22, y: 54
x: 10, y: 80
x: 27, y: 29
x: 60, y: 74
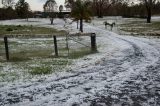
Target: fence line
x: 78, y: 41
x: 92, y: 36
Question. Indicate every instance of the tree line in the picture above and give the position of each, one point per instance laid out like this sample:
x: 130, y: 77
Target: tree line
x: 125, y: 8
x: 130, y: 10
x: 84, y: 9
x: 99, y: 8
x: 12, y: 10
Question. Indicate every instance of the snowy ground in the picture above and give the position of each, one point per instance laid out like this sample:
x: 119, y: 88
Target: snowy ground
x: 125, y: 72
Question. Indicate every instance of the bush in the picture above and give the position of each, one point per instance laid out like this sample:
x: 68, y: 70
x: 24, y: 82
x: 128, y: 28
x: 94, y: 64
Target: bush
x: 60, y: 15
x: 9, y: 29
x: 19, y: 26
x: 7, y: 13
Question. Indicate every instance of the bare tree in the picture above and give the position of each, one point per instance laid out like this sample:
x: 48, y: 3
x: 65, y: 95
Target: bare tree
x: 61, y: 8
x: 8, y: 3
x: 60, y: 14
x: 69, y: 4
x: 22, y: 9
x: 50, y: 7
x: 149, y: 5
x: 81, y: 11
x: 100, y: 5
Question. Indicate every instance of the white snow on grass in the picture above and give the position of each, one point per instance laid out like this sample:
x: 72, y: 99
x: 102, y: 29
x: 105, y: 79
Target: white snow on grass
x: 125, y: 69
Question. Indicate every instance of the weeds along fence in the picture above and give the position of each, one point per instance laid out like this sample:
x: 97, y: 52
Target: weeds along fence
x: 24, y: 47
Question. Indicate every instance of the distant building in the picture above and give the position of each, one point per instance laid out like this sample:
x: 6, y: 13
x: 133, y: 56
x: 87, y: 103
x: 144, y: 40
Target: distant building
x: 40, y: 14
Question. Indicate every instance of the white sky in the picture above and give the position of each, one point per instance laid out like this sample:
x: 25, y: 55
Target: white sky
x: 37, y: 5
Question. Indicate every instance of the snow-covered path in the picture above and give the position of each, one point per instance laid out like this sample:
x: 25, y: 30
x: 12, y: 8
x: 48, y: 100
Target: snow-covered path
x: 125, y: 72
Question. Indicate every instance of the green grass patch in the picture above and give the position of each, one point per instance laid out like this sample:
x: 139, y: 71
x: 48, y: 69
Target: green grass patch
x: 48, y: 67
x: 57, y: 62
x: 29, y: 58
x: 155, y: 25
x: 29, y: 69
x: 35, y: 53
x: 24, y: 29
x: 28, y: 55
x: 80, y: 53
x: 141, y: 27
x: 9, y: 76
x: 41, y: 70
x: 18, y: 59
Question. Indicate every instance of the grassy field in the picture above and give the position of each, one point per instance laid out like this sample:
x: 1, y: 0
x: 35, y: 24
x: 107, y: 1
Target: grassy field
x: 30, y: 58
x: 140, y: 27
x: 23, y: 29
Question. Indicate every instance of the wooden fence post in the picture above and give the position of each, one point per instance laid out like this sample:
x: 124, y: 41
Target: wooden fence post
x: 6, y: 47
x: 93, y: 42
x: 55, y: 46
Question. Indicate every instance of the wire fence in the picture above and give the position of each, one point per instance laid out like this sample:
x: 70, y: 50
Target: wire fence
x: 71, y: 46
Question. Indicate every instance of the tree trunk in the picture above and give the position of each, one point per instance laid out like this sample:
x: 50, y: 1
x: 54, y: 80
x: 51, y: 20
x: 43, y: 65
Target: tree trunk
x: 97, y: 12
x: 149, y: 15
x: 77, y: 23
x: 100, y: 15
x: 81, y: 25
x: 27, y: 17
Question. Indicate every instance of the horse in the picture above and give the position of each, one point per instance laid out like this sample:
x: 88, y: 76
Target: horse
x: 111, y: 25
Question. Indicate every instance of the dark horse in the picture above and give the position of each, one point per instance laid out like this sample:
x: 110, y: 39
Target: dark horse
x: 111, y: 25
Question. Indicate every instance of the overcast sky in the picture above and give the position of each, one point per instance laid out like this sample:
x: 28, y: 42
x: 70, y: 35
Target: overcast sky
x: 37, y: 5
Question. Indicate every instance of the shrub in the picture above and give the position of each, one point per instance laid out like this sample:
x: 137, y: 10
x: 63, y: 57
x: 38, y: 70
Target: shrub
x: 19, y: 26
x: 9, y: 29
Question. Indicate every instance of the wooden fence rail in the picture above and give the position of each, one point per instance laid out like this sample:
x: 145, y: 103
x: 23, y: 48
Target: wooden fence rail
x: 55, y: 46
x: 6, y: 48
x: 93, y: 42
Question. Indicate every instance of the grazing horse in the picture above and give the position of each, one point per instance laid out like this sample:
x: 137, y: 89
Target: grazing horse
x: 111, y: 25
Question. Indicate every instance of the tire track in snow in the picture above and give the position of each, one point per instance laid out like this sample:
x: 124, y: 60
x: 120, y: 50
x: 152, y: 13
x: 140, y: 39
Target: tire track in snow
x: 111, y: 82
x: 133, y: 92
x: 90, y: 76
